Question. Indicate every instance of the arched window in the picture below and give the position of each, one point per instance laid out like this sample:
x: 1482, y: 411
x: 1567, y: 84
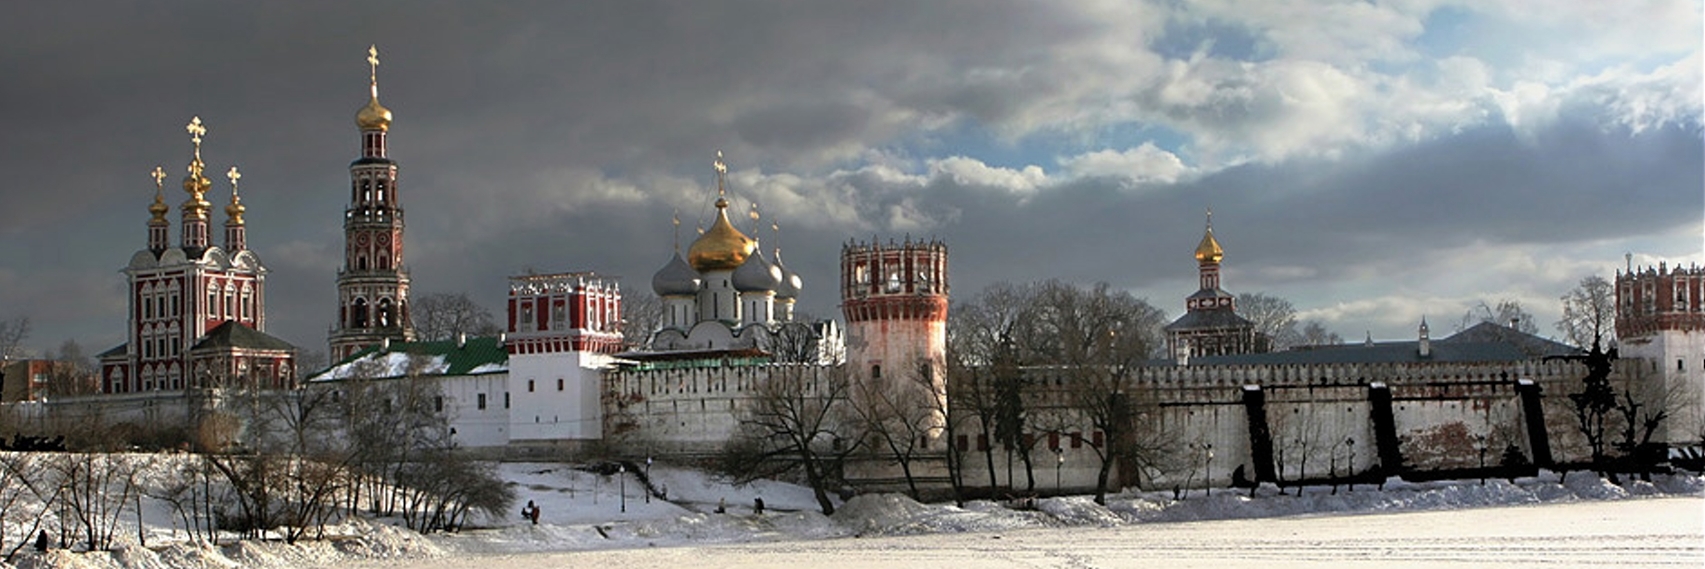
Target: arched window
x: 386, y: 316
x: 212, y: 301
x: 230, y: 302
x: 248, y: 298
x: 384, y: 262
x: 361, y: 263
x: 358, y: 315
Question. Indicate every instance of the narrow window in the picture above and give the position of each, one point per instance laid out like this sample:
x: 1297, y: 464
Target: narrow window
x: 438, y: 404
x: 876, y: 371
x: 559, y: 384
x: 506, y: 400
x: 529, y: 386
x: 481, y: 402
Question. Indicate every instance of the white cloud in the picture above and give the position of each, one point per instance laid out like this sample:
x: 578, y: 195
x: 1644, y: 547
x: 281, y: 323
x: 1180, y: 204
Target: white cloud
x: 1145, y: 164
x: 971, y: 172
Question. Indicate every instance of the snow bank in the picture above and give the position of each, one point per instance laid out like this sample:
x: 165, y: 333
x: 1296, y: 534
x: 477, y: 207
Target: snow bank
x: 586, y: 510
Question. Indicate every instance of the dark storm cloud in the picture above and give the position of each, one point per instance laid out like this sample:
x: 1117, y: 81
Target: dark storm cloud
x: 559, y: 136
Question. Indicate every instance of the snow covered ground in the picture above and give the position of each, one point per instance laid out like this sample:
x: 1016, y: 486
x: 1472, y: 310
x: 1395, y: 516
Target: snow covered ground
x: 1581, y: 521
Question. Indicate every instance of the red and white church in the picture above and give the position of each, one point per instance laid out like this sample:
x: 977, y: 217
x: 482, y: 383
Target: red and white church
x: 197, y: 310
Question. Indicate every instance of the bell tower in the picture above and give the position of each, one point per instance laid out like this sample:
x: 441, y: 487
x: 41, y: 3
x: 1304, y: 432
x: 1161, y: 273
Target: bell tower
x: 372, y: 285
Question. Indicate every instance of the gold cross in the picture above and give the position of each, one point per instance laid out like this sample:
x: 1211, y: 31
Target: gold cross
x: 233, y: 175
x: 721, y: 170
x: 159, y: 177
x: 195, y: 130
x: 373, y: 61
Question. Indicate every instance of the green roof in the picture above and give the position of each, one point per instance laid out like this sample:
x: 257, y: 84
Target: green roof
x: 442, y: 357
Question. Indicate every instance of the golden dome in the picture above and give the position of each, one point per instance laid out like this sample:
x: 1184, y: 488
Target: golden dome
x: 235, y: 211
x: 373, y: 116
x: 722, y: 248
x: 1209, y: 251
x: 159, y: 208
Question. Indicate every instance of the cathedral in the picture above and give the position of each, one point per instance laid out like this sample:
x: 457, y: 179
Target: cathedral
x: 727, y: 299
x: 197, y: 311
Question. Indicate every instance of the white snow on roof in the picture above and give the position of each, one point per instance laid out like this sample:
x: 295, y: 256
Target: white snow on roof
x: 391, y: 364
x: 489, y: 368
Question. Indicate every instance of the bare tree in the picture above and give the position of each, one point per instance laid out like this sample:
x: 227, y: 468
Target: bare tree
x: 1100, y: 337
x: 1589, y: 313
x: 27, y: 491
x: 797, y: 421
x: 985, y: 336
x: 441, y: 316
x: 1508, y: 312
x: 72, y: 372
x: 1273, y: 316
x: 902, y: 416
x: 1315, y: 334
x: 642, y: 314
x: 13, y: 332
x: 96, y: 487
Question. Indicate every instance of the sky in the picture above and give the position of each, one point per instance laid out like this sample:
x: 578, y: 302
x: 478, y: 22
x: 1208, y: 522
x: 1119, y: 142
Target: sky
x: 1374, y: 163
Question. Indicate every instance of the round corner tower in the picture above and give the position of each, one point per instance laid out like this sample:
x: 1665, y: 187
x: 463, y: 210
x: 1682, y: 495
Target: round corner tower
x: 894, y: 298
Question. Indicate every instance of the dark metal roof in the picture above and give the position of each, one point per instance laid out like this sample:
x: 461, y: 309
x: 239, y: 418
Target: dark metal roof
x: 1216, y: 318
x: 233, y: 334
x: 1533, y: 346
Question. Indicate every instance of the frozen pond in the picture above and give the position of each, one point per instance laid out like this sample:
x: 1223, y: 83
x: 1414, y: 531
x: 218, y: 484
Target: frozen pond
x: 1655, y: 532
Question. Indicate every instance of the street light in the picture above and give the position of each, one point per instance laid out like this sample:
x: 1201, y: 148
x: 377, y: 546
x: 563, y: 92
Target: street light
x: 1059, y: 461
x: 1351, y: 442
x: 1208, y: 470
x: 1480, y: 445
x: 622, y: 477
x: 648, y: 480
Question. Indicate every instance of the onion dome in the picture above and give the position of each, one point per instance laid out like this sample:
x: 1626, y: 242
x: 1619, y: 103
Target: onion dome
x: 675, y: 279
x: 1209, y: 251
x: 158, y: 209
x: 722, y: 248
x: 756, y: 275
x: 373, y: 116
x: 790, y: 282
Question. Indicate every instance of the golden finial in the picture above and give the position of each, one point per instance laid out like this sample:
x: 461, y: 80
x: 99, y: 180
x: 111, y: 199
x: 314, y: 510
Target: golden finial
x: 373, y: 116
x: 159, y: 207
x: 195, y: 184
x: 721, y: 171
x: 676, y: 220
x: 1209, y: 251
x: 373, y: 65
x: 236, y: 209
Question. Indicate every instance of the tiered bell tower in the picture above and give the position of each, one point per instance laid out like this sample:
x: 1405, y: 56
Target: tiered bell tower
x: 372, y: 286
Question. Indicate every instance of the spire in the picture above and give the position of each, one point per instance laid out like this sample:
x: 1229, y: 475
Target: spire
x: 235, y: 233
x: 196, y: 185
x: 721, y: 172
x: 675, y: 219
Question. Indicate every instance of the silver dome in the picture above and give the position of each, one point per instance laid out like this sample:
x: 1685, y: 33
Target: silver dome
x: 756, y: 274
x: 790, y: 282
x: 676, y: 278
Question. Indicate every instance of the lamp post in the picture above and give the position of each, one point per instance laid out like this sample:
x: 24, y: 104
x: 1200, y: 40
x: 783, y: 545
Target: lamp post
x: 1351, y: 442
x: 1480, y: 445
x: 622, y: 477
x: 1059, y: 461
x: 648, y: 480
x: 1208, y: 470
